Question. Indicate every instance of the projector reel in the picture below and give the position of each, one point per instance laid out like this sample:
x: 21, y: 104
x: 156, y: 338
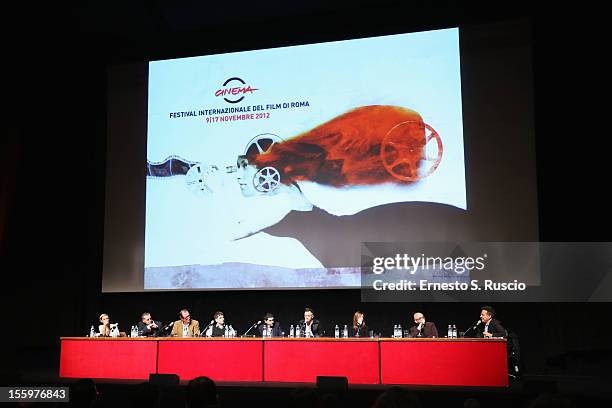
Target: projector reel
x: 400, y: 149
x: 266, y: 180
x: 261, y: 144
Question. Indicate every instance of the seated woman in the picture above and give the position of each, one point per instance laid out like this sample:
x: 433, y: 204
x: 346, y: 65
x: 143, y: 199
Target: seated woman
x: 104, y: 329
x: 358, y: 328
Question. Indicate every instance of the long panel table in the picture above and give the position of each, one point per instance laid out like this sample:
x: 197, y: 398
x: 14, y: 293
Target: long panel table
x: 450, y: 362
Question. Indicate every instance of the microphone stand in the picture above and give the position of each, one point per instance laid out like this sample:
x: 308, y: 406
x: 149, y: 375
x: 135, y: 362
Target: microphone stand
x: 251, y: 328
x: 163, y: 329
x: 203, y: 332
x: 471, y: 328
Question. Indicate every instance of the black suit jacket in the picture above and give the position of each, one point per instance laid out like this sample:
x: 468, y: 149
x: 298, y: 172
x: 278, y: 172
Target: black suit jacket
x: 495, y: 328
x: 428, y: 330
x: 142, y: 328
x: 317, y: 328
x: 277, y: 331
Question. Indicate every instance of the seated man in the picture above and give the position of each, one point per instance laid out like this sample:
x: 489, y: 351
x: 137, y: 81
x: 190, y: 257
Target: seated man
x: 273, y: 327
x: 186, y: 326
x: 423, y: 328
x: 147, y: 326
x: 491, y: 327
x: 310, y: 326
x: 217, y: 326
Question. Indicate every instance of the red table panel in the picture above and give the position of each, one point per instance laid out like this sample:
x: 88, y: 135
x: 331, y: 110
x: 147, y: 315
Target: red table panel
x: 439, y: 362
x: 221, y: 360
x: 104, y: 358
x: 303, y: 360
x: 463, y: 362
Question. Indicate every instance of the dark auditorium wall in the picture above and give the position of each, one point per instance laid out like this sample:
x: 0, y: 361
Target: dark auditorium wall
x: 51, y: 256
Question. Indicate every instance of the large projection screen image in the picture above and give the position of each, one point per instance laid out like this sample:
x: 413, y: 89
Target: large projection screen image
x: 260, y: 163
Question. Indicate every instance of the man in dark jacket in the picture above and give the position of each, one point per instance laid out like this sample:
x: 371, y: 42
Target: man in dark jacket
x: 310, y: 326
x: 271, y: 325
x: 147, y: 326
x: 423, y: 328
x: 490, y: 327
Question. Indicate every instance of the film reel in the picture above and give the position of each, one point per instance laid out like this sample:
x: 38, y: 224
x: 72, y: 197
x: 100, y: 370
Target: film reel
x: 266, y: 180
x: 404, y: 147
x: 261, y: 144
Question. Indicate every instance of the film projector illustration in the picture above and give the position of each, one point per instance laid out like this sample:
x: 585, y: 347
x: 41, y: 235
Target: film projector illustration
x: 410, y: 151
x: 205, y: 179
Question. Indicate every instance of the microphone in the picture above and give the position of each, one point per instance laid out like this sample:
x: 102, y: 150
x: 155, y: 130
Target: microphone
x: 203, y: 332
x: 163, y: 329
x: 473, y: 327
x: 251, y: 328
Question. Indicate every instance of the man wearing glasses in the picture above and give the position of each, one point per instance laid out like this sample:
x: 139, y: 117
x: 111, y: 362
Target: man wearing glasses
x: 271, y: 327
x: 147, y: 326
x: 423, y: 328
x: 186, y: 326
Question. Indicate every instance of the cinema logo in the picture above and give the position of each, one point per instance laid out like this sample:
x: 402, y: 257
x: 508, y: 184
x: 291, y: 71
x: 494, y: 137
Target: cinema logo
x: 234, y: 89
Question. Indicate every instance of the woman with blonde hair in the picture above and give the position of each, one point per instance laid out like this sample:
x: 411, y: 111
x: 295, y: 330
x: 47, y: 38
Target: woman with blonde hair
x: 104, y: 328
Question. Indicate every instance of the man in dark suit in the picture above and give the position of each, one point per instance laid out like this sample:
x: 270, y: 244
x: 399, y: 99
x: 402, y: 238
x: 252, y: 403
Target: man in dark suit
x: 310, y: 326
x: 423, y: 328
x: 271, y: 325
x: 147, y: 326
x: 490, y: 327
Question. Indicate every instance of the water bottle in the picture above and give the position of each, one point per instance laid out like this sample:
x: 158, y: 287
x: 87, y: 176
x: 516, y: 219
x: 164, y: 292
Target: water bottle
x: 454, y: 331
x: 399, y: 331
x: 297, y: 331
x: 345, y: 332
x: 232, y: 332
x: 92, y: 332
x: 395, y: 331
x: 449, y: 332
x: 336, y: 332
x: 226, y: 334
x: 291, y: 332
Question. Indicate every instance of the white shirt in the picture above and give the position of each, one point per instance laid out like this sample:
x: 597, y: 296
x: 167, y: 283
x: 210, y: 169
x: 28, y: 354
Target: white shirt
x: 308, y: 331
x: 185, y: 330
x: 209, y: 331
